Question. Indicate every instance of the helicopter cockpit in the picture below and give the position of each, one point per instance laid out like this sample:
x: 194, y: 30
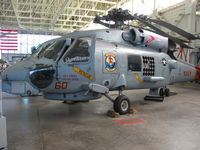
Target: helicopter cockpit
x: 55, y: 55
x: 51, y: 50
x: 79, y: 52
x: 73, y: 49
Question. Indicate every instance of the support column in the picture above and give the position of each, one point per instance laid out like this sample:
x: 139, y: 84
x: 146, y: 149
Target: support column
x: 190, y: 11
x: 3, y: 131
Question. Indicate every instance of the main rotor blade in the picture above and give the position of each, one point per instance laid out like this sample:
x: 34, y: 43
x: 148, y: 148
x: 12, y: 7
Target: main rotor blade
x: 174, y: 28
x: 162, y: 32
x: 157, y: 32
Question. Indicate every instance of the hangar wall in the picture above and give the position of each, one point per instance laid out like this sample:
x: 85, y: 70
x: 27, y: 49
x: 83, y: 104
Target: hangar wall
x: 185, y: 15
x: 21, y: 44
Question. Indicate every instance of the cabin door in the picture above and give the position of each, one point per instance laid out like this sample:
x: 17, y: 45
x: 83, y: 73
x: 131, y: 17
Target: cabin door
x: 76, y: 65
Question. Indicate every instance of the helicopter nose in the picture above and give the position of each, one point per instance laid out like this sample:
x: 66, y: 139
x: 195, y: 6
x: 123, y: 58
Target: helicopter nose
x: 15, y: 73
x: 42, y: 77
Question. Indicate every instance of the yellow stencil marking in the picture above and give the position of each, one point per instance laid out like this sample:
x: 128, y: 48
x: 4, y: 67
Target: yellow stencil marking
x: 139, y: 79
x: 83, y: 73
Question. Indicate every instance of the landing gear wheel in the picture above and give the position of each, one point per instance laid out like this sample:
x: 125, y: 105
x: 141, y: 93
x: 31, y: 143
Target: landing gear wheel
x: 161, y: 92
x: 122, y: 104
x: 28, y: 92
x: 167, y: 92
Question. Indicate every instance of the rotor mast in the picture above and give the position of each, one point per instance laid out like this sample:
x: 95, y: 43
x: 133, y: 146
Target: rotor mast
x: 118, y: 16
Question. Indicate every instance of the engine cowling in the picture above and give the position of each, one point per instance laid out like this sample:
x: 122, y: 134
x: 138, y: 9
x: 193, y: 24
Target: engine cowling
x: 139, y: 37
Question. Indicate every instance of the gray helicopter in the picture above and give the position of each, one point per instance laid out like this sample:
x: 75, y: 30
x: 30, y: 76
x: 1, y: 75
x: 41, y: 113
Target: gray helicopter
x: 88, y: 64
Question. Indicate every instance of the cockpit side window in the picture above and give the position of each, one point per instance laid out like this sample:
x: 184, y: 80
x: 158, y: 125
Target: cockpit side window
x: 67, y: 45
x: 79, y: 52
x: 52, y: 49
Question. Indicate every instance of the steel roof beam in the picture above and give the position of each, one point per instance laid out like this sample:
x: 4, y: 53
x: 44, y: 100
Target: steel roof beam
x: 87, y: 9
x: 15, y: 11
x: 52, y: 14
x: 66, y: 3
x: 74, y: 11
x: 103, y: 1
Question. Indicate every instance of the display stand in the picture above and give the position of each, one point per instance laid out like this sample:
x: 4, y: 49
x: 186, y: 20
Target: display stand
x: 3, y: 131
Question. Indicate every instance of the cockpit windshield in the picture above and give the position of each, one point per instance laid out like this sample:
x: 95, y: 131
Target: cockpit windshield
x: 50, y: 49
x: 79, y: 52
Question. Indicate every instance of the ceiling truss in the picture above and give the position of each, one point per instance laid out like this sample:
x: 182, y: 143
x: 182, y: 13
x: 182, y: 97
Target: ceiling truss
x: 60, y: 16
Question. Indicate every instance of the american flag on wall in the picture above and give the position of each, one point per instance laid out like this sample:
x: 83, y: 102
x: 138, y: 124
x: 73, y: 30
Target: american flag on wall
x: 8, y: 39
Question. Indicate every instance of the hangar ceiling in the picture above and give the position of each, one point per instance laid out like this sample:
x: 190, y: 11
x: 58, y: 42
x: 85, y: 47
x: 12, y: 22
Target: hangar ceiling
x: 52, y: 15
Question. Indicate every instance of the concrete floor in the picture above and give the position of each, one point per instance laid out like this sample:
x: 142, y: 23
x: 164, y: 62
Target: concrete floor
x: 38, y: 124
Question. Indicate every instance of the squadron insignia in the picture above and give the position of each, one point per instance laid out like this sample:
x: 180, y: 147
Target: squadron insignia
x: 110, y: 62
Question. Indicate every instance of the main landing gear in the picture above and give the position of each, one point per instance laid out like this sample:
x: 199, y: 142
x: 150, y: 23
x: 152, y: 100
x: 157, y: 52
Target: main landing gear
x: 157, y: 94
x: 121, y: 104
x: 164, y: 92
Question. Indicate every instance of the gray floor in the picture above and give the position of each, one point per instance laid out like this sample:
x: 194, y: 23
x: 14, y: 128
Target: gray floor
x: 37, y: 124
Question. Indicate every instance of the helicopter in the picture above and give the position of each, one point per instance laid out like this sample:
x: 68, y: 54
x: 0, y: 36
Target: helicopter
x: 86, y: 65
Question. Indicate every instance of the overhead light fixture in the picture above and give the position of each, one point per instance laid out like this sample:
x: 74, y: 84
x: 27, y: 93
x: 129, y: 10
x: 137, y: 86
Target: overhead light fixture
x: 198, y: 13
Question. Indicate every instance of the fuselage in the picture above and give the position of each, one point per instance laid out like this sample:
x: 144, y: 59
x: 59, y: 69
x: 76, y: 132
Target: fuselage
x: 63, y: 68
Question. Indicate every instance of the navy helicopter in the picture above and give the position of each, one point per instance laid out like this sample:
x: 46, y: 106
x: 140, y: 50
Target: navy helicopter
x: 85, y: 65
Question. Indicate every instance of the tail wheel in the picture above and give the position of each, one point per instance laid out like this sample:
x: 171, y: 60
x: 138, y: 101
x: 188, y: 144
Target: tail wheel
x: 161, y: 92
x: 122, y: 104
x: 28, y: 92
x: 167, y: 92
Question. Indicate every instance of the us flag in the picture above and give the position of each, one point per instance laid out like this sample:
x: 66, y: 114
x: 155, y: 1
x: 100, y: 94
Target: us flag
x: 8, y: 39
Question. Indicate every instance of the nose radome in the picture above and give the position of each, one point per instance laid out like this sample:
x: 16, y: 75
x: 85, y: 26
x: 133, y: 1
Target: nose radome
x: 16, y: 72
